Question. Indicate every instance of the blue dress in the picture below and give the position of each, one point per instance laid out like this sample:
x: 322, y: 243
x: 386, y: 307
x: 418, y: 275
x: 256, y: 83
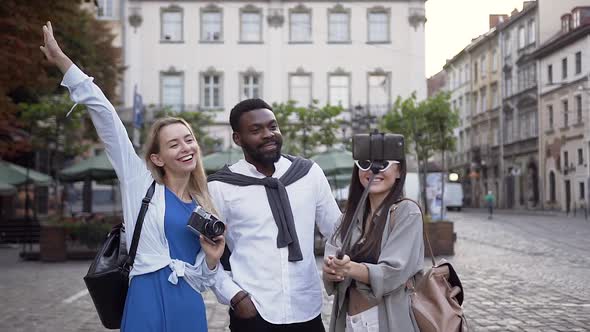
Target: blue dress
x: 155, y: 304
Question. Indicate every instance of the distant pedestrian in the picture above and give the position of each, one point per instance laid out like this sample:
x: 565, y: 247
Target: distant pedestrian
x: 490, y: 199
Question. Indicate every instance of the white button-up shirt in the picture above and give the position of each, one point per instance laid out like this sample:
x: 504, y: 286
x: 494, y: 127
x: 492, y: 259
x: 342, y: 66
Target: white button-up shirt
x: 283, y: 292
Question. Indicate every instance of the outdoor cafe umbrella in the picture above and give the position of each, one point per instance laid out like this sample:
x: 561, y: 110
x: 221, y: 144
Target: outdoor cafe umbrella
x: 95, y: 168
x: 17, y: 175
x: 334, y: 162
x: 215, y: 161
x: 7, y: 189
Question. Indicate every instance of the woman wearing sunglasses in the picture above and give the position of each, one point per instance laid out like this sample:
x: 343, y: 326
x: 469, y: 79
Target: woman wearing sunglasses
x: 369, y: 282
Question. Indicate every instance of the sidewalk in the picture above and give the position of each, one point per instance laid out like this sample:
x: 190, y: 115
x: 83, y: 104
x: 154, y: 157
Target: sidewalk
x: 537, y: 212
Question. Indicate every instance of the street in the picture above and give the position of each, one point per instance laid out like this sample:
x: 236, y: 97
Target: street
x: 520, y: 272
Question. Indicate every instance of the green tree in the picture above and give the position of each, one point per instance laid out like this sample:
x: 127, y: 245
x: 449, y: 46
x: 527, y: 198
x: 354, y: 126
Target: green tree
x: 306, y: 129
x: 199, y: 121
x: 427, y: 126
x: 27, y: 76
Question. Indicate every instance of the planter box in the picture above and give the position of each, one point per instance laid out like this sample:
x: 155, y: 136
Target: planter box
x: 52, y: 243
x: 442, y: 238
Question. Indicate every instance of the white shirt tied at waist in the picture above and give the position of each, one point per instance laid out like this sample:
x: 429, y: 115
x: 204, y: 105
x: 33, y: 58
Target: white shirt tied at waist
x: 153, y: 252
x: 283, y: 292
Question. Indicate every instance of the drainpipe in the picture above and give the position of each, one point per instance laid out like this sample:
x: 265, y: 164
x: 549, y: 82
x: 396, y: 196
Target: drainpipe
x: 501, y: 194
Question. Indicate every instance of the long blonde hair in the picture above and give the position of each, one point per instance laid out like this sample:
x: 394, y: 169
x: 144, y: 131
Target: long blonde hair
x: 197, y: 184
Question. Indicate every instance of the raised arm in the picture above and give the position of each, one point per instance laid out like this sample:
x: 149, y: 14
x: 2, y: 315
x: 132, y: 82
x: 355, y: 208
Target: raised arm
x: 109, y: 127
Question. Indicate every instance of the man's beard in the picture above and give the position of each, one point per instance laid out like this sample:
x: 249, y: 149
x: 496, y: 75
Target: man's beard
x: 264, y: 158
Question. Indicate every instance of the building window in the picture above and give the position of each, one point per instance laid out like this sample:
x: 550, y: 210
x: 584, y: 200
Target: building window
x: 483, y: 66
x: 482, y: 97
x: 105, y: 9
x: 250, y: 25
x: 171, y: 24
x: 379, y: 93
x: 507, y: 45
x: 339, y: 26
x: 172, y: 90
x: 582, y: 193
x: 565, y: 160
x: 550, y: 74
x: 494, y: 61
x: 521, y: 37
x: 300, y: 89
x: 476, y: 102
x: 508, y: 84
x: 466, y: 71
x: 495, y: 96
x: 580, y: 157
x: 565, y: 114
x: 211, y: 90
x: 578, y: 99
x: 251, y: 83
x: 550, y: 112
x: 531, y: 30
x: 300, y: 25
x: 576, y: 18
x: 339, y: 90
x: 378, y: 26
x: 564, y: 68
x: 475, y: 72
x: 211, y: 24
x: 565, y: 23
x: 578, y: 62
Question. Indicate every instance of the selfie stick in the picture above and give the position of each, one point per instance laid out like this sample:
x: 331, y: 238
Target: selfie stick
x: 375, y: 167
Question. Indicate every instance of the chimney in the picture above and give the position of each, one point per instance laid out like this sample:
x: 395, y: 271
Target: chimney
x: 496, y: 19
x: 526, y: 4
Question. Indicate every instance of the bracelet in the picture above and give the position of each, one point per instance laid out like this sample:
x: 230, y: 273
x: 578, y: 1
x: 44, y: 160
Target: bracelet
x: 233, y: 305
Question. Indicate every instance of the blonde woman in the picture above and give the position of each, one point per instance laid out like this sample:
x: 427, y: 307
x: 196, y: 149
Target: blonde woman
x: 172, y: 265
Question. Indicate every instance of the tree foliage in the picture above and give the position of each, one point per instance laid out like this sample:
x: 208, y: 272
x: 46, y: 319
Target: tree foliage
x: 27, y: 76
x: 306, y: 129
x: 426, y: 125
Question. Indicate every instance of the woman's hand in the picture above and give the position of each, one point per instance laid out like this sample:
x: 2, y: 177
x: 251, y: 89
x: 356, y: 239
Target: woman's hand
x: 213, y: 251
x: 52, y: 51
x: 329, y: 273
x: 339, y: 269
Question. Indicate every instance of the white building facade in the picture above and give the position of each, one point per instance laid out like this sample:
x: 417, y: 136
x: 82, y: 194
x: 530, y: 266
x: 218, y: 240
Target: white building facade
x: 208, y: 55
x: 564, y: 119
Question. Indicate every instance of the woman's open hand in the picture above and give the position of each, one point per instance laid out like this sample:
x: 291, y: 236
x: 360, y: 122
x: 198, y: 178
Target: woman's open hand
x: 52, y: 51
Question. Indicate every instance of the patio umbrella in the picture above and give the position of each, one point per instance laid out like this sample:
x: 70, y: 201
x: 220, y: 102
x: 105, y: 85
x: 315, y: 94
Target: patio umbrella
x: 334, y: 162
x: 215, y: 161
x: 94, y: 168
x: 7, y: 189
x: 16, y: 175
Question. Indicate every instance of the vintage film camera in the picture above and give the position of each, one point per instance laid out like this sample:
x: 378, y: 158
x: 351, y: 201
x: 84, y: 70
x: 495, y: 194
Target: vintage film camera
x: 203, y: 222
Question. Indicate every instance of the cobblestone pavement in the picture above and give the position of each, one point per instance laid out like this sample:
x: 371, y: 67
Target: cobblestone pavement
x: 521, y: 272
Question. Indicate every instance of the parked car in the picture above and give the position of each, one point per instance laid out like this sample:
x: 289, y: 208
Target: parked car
x: 453, y: 196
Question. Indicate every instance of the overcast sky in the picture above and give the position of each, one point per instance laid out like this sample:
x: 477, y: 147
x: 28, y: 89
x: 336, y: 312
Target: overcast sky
x: 453, y: 23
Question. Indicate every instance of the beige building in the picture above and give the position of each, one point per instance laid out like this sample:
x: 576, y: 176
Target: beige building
x: 564, y: 124
x: 474, y: 83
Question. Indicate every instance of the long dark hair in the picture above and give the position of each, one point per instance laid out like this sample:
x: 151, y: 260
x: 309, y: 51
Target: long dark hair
x: 372, y: 246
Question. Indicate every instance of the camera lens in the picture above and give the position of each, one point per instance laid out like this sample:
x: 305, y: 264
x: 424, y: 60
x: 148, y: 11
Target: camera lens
x: 215, y: 228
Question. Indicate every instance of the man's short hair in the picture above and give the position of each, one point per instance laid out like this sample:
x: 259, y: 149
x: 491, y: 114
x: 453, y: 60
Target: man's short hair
x: 243, y: 107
